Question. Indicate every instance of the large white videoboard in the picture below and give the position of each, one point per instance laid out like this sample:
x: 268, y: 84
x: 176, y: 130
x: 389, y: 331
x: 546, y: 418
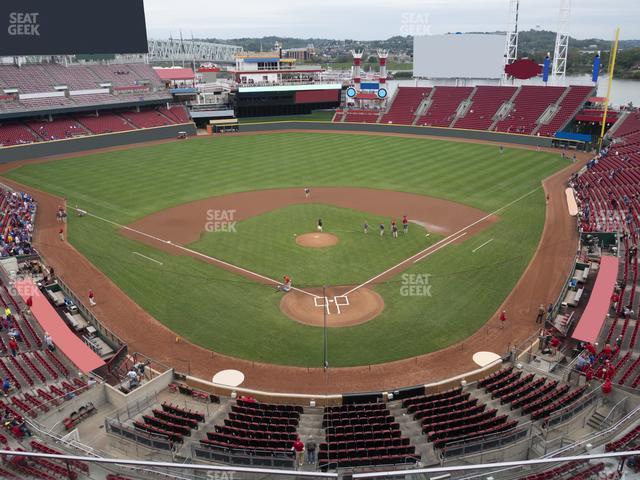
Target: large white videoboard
x: 467, y: 55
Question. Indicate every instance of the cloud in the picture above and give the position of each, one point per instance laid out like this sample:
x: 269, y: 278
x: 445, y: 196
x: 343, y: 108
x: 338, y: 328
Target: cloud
x: 378, y: 19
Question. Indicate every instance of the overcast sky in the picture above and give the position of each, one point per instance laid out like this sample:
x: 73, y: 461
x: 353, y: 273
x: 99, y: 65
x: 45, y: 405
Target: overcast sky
x: 380, y: 19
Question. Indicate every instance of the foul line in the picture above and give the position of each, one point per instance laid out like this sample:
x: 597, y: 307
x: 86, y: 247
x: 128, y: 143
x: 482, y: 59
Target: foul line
x: 148, y: 258
x: 485, y: 243
x: 446, y: 239
x: 193, y: 252
x: 439, y: 247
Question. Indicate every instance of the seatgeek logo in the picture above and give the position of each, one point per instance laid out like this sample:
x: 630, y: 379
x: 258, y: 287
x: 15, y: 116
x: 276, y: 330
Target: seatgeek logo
x: 24, y: 24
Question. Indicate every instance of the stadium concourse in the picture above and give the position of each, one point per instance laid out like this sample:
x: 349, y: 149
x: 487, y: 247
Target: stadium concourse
x: 119, y: 312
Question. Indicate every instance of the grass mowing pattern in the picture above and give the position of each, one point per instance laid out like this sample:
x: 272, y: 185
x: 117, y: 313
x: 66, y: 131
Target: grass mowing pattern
x: 226, y: 313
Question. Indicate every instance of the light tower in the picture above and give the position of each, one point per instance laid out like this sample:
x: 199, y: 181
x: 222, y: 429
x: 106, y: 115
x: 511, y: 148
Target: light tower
x: 382, y: 61
x: 511, y: 44
x: 357, y: 61
x: 561, y: 49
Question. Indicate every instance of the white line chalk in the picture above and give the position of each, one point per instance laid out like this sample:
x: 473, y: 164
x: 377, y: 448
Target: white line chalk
x: 148, y: 258
x: 198, y: 254
x: 485, y: 243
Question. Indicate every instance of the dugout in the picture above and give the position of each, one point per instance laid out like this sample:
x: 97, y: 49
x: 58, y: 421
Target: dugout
x: 223, y: 125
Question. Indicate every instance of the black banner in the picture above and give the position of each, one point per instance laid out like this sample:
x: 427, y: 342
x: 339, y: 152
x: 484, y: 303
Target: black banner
x: 67, y: 27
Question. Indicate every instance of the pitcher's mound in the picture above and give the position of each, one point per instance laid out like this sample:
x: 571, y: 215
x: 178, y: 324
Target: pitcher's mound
x: 316, y: 240
x: 341, y: 311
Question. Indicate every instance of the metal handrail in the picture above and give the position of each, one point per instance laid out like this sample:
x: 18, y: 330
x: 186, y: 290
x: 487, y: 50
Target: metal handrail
x: 587, y: 439
x: 87, y: 450
x: 487, y: 466
x: 174, y: 466
x: 606, y: 419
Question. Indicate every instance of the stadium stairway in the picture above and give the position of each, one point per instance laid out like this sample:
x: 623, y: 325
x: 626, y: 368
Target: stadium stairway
x: 464, y: 107
x: 411, y: 429
x: 504, y: 110
x: 217, y: 418
x: 424, y: 107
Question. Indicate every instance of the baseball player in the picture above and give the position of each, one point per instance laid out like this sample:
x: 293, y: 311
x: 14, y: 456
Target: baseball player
x: 381, y: 229
x: 319, y: 228
x: 307, y: 192
x: 366, y: 227
x: 285, y: 286
x: 394, y: 230
x: 405, y: 224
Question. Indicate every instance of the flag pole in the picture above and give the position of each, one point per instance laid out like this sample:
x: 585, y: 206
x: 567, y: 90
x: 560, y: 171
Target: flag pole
x: 612, y: 65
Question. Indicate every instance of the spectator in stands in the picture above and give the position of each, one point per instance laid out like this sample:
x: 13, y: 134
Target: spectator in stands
x: 628, y: 312
x: 48, y: 342
x: 19, y: 428
x: 582, y: 363
x: 13, y: 346
x: 15, y: 333
x: 615, y: 298
x: 6, y: 386
x: 311, y: 451
x: 298, y: 449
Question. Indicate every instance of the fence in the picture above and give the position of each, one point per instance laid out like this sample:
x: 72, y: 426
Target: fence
x: 132, y: 408
x: 568, y: 413
x: 486, y: 443
x: 238, y: 457
x: 155, y: 442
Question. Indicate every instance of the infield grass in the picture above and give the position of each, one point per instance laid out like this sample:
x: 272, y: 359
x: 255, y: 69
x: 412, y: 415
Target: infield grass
x: 230, y: 314
x: 268, y: 243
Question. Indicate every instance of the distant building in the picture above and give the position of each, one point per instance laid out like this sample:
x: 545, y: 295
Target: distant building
x: 301, y: 54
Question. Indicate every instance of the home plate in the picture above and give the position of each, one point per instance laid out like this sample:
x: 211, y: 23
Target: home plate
x: 230, y: 378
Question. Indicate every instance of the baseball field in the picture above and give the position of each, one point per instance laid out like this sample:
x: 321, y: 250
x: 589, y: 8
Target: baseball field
x: 189, y: 206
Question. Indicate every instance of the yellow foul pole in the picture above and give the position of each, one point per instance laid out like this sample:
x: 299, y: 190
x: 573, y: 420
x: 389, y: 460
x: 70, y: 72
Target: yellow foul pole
x: 612, y: 65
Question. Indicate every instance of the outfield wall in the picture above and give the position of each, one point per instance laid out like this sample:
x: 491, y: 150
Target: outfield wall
x: 81, y: 144
x: 453, y: 133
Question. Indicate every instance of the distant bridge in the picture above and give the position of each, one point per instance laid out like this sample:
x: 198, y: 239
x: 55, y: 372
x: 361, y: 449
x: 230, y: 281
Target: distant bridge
x: 189, y: 50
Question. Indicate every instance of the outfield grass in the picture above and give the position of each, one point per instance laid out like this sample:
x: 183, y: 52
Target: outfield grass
x: 232, y: 315
x: 267, y: 243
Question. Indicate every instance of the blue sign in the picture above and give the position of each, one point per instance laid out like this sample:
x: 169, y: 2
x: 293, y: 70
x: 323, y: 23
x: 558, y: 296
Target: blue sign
x: 351, y: 92
x: 369, y: 86
x: 596, y: 69
x: 545, y: 69
x: 382, y: 93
